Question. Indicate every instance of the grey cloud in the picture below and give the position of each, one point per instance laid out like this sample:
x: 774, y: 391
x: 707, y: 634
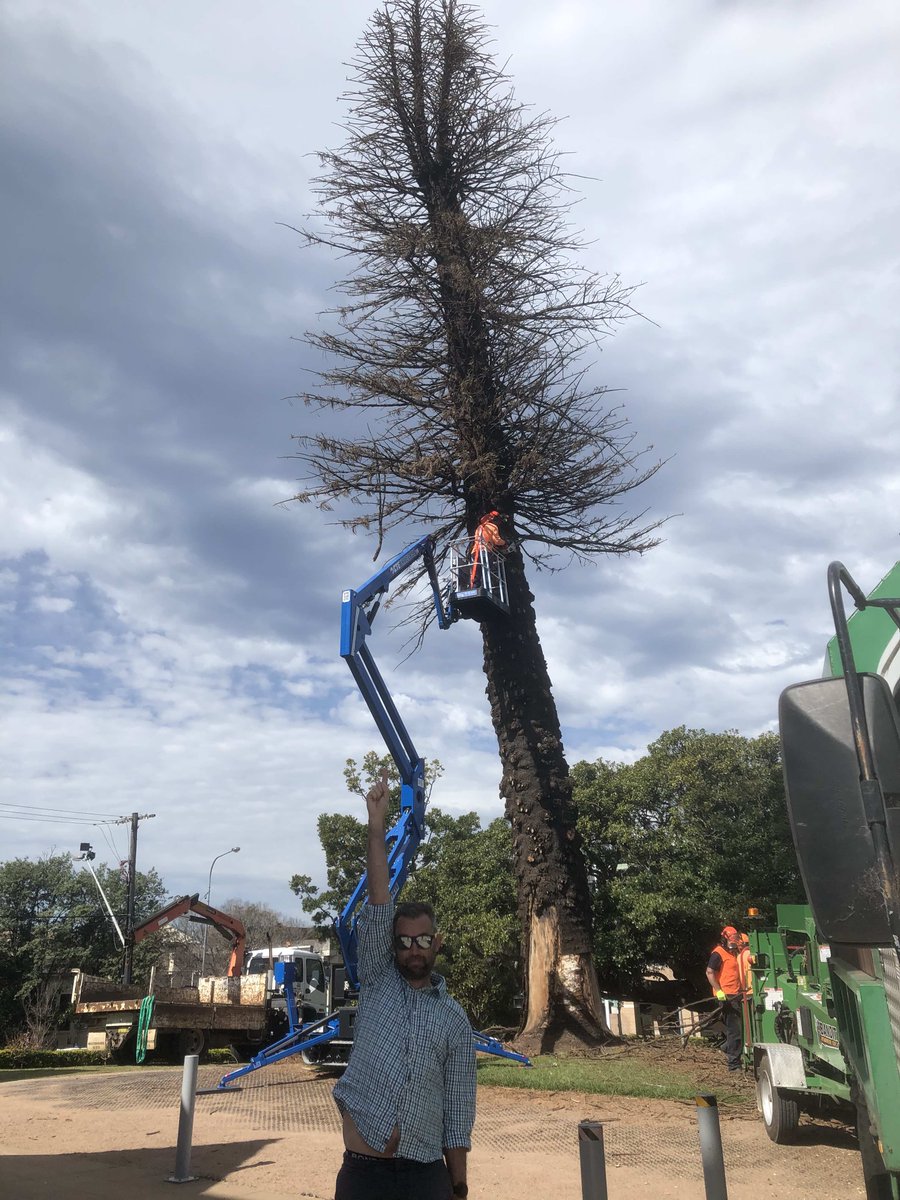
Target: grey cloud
x: 747, y: 167
x: 149, y: 335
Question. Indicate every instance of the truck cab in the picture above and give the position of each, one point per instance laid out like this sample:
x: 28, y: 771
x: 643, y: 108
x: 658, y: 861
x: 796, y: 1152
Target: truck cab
x: 309, y: 975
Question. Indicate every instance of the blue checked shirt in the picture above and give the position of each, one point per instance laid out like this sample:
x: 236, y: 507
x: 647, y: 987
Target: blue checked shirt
x: 413, y: 1059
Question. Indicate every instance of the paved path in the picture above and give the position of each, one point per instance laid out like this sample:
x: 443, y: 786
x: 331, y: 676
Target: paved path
x: 101, y: 1136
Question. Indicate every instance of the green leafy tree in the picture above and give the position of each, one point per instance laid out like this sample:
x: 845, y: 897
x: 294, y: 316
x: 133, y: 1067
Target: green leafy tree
x: 679, y: 843
x: 465, y: 872
x: 343, y: 839
x: 52, y: 919
x: 460, y: 353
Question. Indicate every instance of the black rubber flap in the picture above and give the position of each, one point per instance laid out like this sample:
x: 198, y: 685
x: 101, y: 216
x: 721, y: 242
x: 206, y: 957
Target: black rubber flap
x: 825, y: 803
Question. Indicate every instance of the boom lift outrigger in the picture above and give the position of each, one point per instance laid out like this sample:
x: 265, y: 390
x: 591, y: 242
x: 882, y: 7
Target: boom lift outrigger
x: 358, y: 611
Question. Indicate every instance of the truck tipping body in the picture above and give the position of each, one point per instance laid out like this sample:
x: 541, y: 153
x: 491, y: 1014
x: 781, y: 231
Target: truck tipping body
x: 218, y: 1011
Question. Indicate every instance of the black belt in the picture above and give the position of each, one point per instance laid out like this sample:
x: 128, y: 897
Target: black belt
x: 378, y: 1159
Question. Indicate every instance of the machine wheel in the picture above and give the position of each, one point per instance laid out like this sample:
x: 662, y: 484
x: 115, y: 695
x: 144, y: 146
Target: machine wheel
x: 780, y: 1111
x: 190, y: 1041
x: 119, y: 1046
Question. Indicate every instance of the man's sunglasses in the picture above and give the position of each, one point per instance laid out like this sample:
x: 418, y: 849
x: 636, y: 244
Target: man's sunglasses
x: 403, y: 941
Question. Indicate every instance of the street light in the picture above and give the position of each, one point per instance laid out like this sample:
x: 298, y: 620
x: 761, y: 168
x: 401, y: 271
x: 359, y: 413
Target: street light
x: 86, y: 855
x: 233, y: 850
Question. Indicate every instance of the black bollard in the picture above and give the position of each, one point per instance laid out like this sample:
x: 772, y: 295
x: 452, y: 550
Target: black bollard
x: 711, y: 1148
x: 593, y: 1161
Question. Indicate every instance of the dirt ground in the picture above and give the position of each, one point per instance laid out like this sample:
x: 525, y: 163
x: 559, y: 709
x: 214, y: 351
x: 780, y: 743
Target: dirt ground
x: 109, y: 1137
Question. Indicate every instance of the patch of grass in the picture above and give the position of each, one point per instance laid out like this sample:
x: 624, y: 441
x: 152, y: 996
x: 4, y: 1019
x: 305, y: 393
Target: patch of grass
x: 616, y: 1075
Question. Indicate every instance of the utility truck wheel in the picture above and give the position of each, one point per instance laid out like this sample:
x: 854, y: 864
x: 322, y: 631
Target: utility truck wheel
x: 780, y: 1111
x: 190, y: 1041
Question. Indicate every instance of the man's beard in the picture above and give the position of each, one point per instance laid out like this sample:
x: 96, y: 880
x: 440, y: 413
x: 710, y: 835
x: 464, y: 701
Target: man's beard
x: 417, y: 969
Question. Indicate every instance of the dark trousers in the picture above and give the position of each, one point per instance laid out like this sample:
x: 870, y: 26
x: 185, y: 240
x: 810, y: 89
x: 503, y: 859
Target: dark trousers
x: 363, y: 1177
x: 732, y: 1017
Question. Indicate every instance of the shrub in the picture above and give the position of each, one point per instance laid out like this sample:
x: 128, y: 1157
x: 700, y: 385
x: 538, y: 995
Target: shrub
x: 14, y: 1058
x: 221, y: 1054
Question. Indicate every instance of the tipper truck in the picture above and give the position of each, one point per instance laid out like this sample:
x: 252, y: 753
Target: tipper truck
x: 244, y: 1008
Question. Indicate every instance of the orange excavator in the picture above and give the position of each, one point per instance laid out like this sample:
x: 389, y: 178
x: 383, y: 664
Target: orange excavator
x: 195, y: 910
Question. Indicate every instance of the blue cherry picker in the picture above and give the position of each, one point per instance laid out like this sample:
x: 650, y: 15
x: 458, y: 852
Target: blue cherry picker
x: 467, y: 596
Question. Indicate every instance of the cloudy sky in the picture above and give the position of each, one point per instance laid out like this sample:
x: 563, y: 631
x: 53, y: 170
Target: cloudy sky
x: 171, y: 631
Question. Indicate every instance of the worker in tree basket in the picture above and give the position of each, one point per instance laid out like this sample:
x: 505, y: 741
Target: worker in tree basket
x: 724, y: 974
x: 407, y: 1098
x: 486, y: 539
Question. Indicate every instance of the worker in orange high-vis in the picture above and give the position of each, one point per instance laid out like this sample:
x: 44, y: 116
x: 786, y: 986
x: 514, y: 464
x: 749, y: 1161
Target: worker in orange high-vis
x: 487, y: 537
x: 724, y: 974
x: 745, y: 962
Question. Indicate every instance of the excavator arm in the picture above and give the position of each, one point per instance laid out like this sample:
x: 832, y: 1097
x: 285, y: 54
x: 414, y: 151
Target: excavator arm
x: 194, y: 908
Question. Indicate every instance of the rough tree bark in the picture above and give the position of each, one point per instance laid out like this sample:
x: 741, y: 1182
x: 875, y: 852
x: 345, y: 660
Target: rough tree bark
x: 461, y: 340
x: 562, y: 998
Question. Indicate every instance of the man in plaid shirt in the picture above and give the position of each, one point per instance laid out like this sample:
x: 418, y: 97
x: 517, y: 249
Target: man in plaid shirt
x: 407, y: 1098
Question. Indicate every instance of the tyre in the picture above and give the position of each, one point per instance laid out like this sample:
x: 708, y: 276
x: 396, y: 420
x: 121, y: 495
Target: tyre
x: 190, y: 1041
x: 120, y: 1046
x: 780, y: 1111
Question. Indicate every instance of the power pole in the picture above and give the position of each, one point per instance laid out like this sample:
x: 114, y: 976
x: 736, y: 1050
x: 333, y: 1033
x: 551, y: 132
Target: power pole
x: 134, y: 819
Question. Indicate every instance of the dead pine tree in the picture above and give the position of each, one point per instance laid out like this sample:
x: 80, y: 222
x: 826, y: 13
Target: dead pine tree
x: 460, y: 345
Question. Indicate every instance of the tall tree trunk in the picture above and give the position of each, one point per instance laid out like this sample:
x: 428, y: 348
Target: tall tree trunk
x: 463, y: 329
x: 562, y: 999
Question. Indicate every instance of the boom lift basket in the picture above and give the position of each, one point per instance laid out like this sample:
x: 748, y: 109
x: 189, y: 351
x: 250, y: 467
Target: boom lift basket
x: 477, y: 585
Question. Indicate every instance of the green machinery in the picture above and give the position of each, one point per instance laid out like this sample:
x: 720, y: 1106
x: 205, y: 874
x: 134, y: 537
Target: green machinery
x: 804, y: 1012
x: 823, y: 1023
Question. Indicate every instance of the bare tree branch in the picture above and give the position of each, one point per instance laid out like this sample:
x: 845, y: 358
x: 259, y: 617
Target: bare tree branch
x: 461, y: 342
x: 466, y: 315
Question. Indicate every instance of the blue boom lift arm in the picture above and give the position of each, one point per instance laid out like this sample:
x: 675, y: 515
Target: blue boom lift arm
x: 402, y: 841
x: 358, y: 611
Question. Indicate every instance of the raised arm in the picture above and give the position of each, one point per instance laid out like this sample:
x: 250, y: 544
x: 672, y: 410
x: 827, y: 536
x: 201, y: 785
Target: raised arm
x: 377, y: 801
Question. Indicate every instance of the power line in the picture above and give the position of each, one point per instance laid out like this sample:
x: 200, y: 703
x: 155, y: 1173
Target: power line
x: 105, y: 830
x: 46, y: 808
x: 56, y: 820
x: 40, y: 814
